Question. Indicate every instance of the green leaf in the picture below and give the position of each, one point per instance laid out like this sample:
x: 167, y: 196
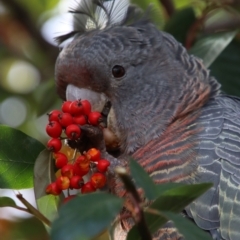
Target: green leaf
x: 187, y: 228
x: 180, y: 22
x: 17, y: 156
x: 43, y: 175
x: 208, y: 48
x: 182, y: 3
x: 174, y: 200
x: 226, y: 69
x: 86, y: 216
x: 7, y: 202
x: 161, y: 188
x: 48, y: 206
x: 154, y: 222
x: 143, y: 180
x: 188, y: 192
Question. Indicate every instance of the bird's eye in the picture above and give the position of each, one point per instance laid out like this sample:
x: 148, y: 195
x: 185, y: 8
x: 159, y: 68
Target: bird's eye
x: 118, y: 71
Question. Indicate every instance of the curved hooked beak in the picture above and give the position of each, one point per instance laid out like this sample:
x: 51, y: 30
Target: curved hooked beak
x: 97, y: 100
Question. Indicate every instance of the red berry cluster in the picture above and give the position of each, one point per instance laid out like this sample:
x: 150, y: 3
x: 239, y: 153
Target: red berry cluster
x: 71, y: 172
x: 74, y: 113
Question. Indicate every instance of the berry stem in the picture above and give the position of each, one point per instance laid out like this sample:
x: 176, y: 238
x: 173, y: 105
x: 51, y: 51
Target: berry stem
x: 63, y: 138
x: 22, y: 209
x: 31, y: 209
x: 74, y: 156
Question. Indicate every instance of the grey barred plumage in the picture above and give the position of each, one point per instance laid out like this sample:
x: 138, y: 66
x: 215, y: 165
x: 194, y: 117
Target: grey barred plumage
x: 167, y: 110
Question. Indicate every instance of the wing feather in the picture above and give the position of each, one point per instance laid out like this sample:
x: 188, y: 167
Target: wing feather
x: 234, y: 222
x: 219, y: 160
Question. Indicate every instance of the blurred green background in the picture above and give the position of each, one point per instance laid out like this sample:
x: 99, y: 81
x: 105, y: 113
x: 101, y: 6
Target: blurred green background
x: 207, y: 28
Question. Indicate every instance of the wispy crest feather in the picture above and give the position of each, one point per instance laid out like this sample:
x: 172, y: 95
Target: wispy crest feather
x: 96, y: 14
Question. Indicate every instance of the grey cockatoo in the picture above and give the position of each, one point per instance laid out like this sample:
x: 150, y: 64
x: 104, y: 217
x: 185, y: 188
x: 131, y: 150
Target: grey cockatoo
x: 166, y: 109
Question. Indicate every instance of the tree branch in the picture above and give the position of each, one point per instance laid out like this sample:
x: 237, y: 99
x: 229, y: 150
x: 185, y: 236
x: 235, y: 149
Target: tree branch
x: 169, y: 6
x: 33, y: 210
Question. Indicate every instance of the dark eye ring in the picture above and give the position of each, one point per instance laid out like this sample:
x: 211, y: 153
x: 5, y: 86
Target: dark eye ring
x: 118, y: 71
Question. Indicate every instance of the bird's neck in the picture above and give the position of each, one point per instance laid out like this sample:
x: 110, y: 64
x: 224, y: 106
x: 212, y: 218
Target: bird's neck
x: 153, y: 119
x: 172, y: 156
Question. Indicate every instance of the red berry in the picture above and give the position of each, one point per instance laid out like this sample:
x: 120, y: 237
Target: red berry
x: 76, y: 107
x: 86, y: 107
x: 94, y: 154
x: 60, y: 159
x: 73, y: 131
x: 98, y: 180
x: 65, y: 119
x: 83, y: 162
x: 65, y: 200
x: 81, y: 119
x: 76, y: 182
x: 94, y: 118
x: 54, y: 144
x: 79, y: 170
x: 63, y: 182
x: 66, y: 106
x: 102, y: 165
x: 52, y: 188
x: 53, y: 115
x: 67, y: 170
x: 88, y: 188
x: 54, y: 129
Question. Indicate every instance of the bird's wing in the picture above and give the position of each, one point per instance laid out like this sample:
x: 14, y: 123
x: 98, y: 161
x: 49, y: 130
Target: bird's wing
x: 219, y: 163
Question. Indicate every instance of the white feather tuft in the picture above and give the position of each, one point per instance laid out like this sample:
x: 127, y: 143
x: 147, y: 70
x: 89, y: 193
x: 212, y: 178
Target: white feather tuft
x: 96, y: 14
x: 106, y: 13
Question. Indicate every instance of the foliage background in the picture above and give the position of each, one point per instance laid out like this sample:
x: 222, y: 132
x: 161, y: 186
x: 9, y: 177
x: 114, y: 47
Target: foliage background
x: 28, y: 54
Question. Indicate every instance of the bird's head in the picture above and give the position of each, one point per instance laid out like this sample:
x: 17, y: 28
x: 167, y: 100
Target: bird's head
x: 146, y: 74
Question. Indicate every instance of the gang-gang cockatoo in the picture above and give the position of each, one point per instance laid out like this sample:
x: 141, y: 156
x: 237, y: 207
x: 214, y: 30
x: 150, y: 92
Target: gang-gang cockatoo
x: 167, y: 111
